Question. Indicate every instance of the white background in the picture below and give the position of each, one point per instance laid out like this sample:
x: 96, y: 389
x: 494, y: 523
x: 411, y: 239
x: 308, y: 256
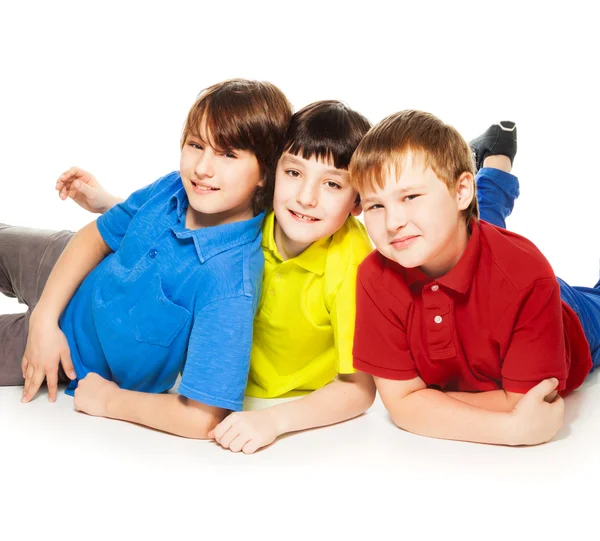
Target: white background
x: 107, y: 86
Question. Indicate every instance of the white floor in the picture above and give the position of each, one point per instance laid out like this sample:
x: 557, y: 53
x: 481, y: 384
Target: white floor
x: 62, y: 469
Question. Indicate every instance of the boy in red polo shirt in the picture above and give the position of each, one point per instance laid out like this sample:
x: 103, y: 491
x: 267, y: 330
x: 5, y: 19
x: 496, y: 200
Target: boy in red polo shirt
x: 461, y: 322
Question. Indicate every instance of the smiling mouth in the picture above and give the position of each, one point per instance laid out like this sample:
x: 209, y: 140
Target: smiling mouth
x: 303, y: 217
x: 203, y: 188
x: 404, y: 241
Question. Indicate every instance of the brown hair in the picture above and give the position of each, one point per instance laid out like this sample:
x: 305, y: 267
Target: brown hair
x: 244, y: 115
x: 385, y: 146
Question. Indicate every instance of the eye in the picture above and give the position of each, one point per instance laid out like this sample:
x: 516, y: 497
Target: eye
x: 229, y: 154
x: 332, y: 184
x: 410, y: 197
x: 292, y: 173
x: 375, y: 206
x: 195, y: 145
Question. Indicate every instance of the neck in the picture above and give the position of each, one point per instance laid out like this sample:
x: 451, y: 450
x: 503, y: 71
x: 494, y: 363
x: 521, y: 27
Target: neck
x: 286, y: 247
x: 450, y: 256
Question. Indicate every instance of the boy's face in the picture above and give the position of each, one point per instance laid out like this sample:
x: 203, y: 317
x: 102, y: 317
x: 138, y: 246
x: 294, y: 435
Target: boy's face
x: 219, y: 184
x: 416, y: 221
x: 312, y: 201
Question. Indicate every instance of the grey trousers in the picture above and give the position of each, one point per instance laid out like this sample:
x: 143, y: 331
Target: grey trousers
x: 26, y: 258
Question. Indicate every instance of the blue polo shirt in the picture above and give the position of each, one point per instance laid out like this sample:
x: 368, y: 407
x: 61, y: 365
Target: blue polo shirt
x: 169, y: 300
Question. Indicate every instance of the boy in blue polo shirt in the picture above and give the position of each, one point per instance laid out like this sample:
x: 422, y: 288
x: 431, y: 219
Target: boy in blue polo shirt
x: 166, y: 282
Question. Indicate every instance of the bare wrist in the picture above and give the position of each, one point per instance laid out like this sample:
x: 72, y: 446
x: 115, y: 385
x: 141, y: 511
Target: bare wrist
x: 43, y: 313
x: 280, y: 422
x: 111, y: 406
x: 513, y: 431
x: 113, y: 200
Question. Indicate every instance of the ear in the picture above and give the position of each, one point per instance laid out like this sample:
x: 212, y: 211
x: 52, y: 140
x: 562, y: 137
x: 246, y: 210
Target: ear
x: 356, y: 209
x: 465, y: 190
x: 261, y: 182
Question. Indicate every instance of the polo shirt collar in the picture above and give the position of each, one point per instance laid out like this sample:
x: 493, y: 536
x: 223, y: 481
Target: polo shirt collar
x: 313, y: 259
x: 460, y: 277
x: 210, y: 241
x: 179, y: 201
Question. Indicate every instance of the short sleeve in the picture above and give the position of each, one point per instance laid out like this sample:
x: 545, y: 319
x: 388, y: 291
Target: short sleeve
x: 536, y: 349
x: 343, y: 316
x: 218, y: 357
x: 380, y: 342
x: 349, y: 248
x: 113, y: 224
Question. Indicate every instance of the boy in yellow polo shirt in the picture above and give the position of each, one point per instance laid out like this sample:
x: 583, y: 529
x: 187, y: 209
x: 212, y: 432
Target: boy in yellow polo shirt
x: 313, y: 244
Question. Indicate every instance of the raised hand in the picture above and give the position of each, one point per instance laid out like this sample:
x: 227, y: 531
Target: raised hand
x: 83, y: 188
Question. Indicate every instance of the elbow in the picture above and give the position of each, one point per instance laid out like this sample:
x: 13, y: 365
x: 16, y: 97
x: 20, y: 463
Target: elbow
x: 368, y: 395
x: 397, y: 419
x: 199, y: 420
x: 200, y: 430
x: 363, y: 391
x: 400, y: 412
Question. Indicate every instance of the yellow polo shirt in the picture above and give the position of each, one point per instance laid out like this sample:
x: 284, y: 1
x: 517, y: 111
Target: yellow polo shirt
x: 304, y: 326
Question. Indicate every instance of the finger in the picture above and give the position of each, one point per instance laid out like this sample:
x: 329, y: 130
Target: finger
x: 67, y: 175
x: 220, y: 430
x: 34, y: 384
x: 238, y: 442
x: 24, y: 366
x: 52, y: 383
x: 250, y: 447
x: 28, y: 377
x: 545, y: 387
x: 67, y: 363
x: 228, y: 437
x: 84, y: 188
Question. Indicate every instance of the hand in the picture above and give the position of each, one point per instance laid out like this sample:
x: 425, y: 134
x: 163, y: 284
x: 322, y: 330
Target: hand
x: 246, y: 431
x: 537, y: 420
x: 93, y: 394
x: 46, y: 347
x: 83, y: 188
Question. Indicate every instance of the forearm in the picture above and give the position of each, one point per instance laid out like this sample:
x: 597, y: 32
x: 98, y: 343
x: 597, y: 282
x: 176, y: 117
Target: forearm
x: 170, y: 413
x: 340, y: 400
x: 436, y: 414
x: 497, y: 400
x: 85, y: 250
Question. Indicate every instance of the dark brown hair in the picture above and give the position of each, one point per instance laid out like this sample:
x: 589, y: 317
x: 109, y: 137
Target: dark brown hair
x: 326, y: 130
x: 386, y: 145
x: 244, y: 115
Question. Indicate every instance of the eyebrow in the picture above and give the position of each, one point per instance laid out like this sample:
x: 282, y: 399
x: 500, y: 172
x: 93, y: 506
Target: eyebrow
x: 398, y: 191
x: 410, y: 188
x: 295, y: 161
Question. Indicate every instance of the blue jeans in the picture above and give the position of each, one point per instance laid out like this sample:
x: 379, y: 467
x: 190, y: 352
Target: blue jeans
x: 496, y: 194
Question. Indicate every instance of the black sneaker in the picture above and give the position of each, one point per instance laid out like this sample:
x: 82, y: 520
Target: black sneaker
x: 499, y: 138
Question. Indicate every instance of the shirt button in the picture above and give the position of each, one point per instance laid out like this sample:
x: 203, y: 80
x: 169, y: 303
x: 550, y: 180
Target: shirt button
x: 278, y: 276
x: 437, y: 319
x: 435, y: 288
x: 271, y: 292
x: 153, y: 253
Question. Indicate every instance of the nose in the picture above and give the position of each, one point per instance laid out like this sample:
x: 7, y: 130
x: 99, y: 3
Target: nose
x: 395, y: 218
x: 307, y: 194
x: 205, y: 166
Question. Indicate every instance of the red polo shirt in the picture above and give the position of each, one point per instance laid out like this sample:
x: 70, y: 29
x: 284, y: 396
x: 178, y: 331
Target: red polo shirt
x: 494, y: 321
